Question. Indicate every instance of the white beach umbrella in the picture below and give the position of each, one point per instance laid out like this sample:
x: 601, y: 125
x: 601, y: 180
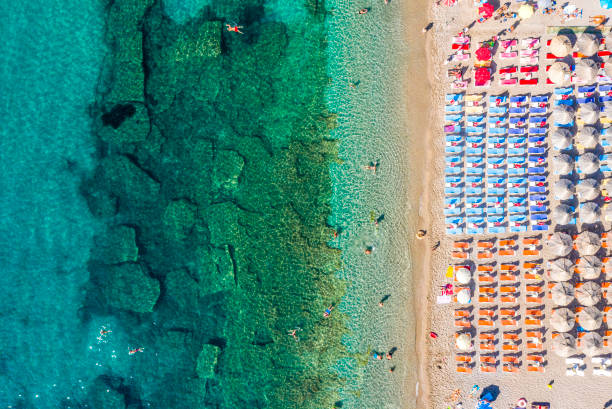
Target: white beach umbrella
x: 561, y: 269
x: 564, y: 345
x: 464, y: 296
x: 588, y: 136
x: 559, y: 73
x: 586, y: 70
x: 563, y: 189
x: 591, y: 343
x: 561, y: 138
x: 562, y: 294
x: 590, y: 318
x: 588, y: 294
x: 587, y: 189
x: 525, y: 11
x: 562, y: 214
x: 590, y: 213
x: 562, y: 319
x: 588, y: 44
x: 560, y: 46
x: 464, y: 342
x: 563, y: 164
x: 589, y: 113
x: 590, y: 267
x: 463, y: 275
x: 588, y: 163
x: 588, y: 243
x: 563, y: 114
x: 560, y: 244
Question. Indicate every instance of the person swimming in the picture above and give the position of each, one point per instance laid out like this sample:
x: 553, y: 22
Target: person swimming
x: 133, y: 351
x: 363, y: 11
x: 234, y: 28
x: 328, y: 311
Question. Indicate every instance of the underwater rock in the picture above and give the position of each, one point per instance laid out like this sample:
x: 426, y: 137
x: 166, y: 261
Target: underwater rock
x: 101, y: 204
x: 132, y: 185
x: 179, y: 218
x: 207, y: 361
x: 125, y: 123
x: 181, y: 290
x: 223, y: 224
x: 128, y: 287
x: 104, y: 395
x: 197, y: 39
x: 227, y: 170
x: 117, y: 245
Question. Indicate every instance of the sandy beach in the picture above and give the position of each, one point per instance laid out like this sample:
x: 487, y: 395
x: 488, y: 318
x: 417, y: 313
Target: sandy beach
x: 437, y: 376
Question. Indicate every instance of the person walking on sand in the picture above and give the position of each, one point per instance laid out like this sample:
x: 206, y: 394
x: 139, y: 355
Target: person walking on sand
x: 427, y: 27
x: 235, y: 28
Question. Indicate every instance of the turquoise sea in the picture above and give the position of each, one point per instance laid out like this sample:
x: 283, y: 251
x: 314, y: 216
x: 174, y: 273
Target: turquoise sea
x: 172, y: 210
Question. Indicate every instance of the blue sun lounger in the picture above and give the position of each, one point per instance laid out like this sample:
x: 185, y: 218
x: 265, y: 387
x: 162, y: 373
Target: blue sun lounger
x: 585, y: 100
x: 537, y: 120
x: 474, y: 159
x: 537, y: 159
x: 453, y: 191
x: 495, y: 224
x: 517, y: 171
x: 495, y: 180
x: 453, y: 149
x: 517, y: 181
x: 496, y: 140
x: 536, y: 151
x: 498, y: 131
x: 474, y: 139
x: 496, y: 151
x: 517, y: 159
x: 455, y: 201
x: 473, y: 191
x: 516, y: 209
x: 516, y: 151
x: 605, y: 167
x: 457, y: 170
x: 453, y: 108
x: 605, y: 98
x: 454, y: 97
x: 538, y: 209
x: 537, y: 199
x: 475, y: 129
x: 517, y: 119
x: 517, y: 224
x: 496, y: 200
x: 518, y: 110
x: 517, y: 199
x: 499, y: 191
x: 452, y: 128
x: 454, y: 159
x: 453, y: 138
x: 539, y: 216
x: 587, y: 88
x: 536, y: 170
x: 453, y: 179
x: 453, y: 117
x: 498, y: 110
x: 453, y: 211
x: 475, y: 118
x: 474, y: 171
x: 537, y: 178
x: 474, y: 211
x: 567, y: 125
x: 517, y: 140
x: 498, y: 99
x: 538, y: 110
x: 605, y: 87
x: 564, y: 90
x: 457, y: 223
x: 474, y: 151
x: 473, y: 180
x: 474, y: 201
x: 518, y: 98
x: 538, y: 99
x: 537, y: 139
x: 517, y: 131
x: 517, y: 191
x: 539, y: 227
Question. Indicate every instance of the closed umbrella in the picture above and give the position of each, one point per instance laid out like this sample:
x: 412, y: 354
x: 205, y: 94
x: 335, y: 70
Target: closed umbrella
x: 590, y: 213
x: 525, y: 11
x: 559, y: 245
x: 590, y: 267
x: 561, y: 269
x: 464, y: 342
x: 588, y: 163
x: 482, y: 75
x: 463, y: 275
x: 560, y: 46
x: 589, y: 113
x: 588, y: 243
x: 562, y: 214
x: 563, y: 164
x: 588, y: 294
x: 588, y: 136
x: 564, y: 345
x: 464, y: 297
x: 562, y: 294
x: 558, y: 73
x: 588, y: 44
x: 590, y: 318
x: 587, y: 189
x: 562, y: 319
x: 561, y: 138
x: 563, y: 114
x: 591, y: 343
x: 563, y: 189
x: 586, y: 70
x: 483, y: 54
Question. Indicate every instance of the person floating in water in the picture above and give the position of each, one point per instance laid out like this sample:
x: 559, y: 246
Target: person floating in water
x: 293, y: 333
x: 235, y: 28
x: 133, y: 351
x: 373, y: 166
x: 364, y: 11
x: 382, y: 300
x: 368, y: 250
x: 104, y: 331
x: 328, y: 311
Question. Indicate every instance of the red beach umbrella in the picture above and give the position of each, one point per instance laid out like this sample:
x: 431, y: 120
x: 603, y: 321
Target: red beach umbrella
x: 483, y: 54
x: 486, y: 10
x: 482, y: 75
x: 449, y: 2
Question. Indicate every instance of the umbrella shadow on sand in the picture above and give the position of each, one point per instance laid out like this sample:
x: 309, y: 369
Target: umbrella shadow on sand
x: 490, y: 393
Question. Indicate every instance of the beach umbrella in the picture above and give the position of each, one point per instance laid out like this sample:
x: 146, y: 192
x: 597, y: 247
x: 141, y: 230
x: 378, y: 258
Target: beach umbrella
x: 586, y: 70
x: 486, y: 10
x: 588, y: 44
x: 449, y: 2
x: 591, y: 343
x: 464, y: 296
x: 588, y: 163
x: 559, y: 245
x: 563, y: 189
x: 561, y: 138
x: 563, y: 164
x: 542, y: 4
x: 561, y: 269
x: 588, y: 243
x: 588, y: 294
x: 463, y: 275
x: 464, y: 342
x: 482, y: 75
x: 525, y: 11
x: 590, y: 213
x: 590, y: 267
x: 562, y: 214
x: 590, y: 318
x: 588, y: 136
x: 587, y: 190
x: 483, y: 54
x: 558, y: 73
x: 560, y: 46
x: 562, y: 293
x: 562, y: 319
x: 563, y: 114
x: 564, y: 345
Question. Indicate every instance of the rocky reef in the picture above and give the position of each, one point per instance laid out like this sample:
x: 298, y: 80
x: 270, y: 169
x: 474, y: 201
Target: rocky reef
x: 214, y: 182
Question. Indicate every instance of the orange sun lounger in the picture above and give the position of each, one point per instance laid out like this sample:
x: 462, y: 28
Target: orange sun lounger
x: 509, y: 289
x: 462, y: 313
x: 488, y: 359
x: 486, y: 367
x: 508, y: 298
x: 511, y: 359
x: 484, y: 299
x: 463, y: 358
x: 486, y: 268
x: 535, y: 358
x: 508, y: 267
x: 531, y: 252
x: 531, y: 241
x: 536, y: 346
x: 487, y: 244
x: 486, y: 323
x: 487, y: 346
x: 506, y: 252
x: 486, y: 290
x: 535, y: 368
x: 508, y: 322
x: 534, y: 334
x: 464, y: 368
x: 506, y: 243
x: 511, y: 368
x: 486, y: 279
x: 533, y: 321
x: 463, y: 323
x: 460, y: 254
x: 508, y: 277
x: 484, y: 255
x: 488, y: 312
x: 461, y: 245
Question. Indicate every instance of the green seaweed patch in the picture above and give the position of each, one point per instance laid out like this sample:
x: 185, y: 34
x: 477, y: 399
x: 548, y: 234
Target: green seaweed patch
x: 207, y: 361
x: 129, y: 288
x: 178, y: 219
x: 116, y: 245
